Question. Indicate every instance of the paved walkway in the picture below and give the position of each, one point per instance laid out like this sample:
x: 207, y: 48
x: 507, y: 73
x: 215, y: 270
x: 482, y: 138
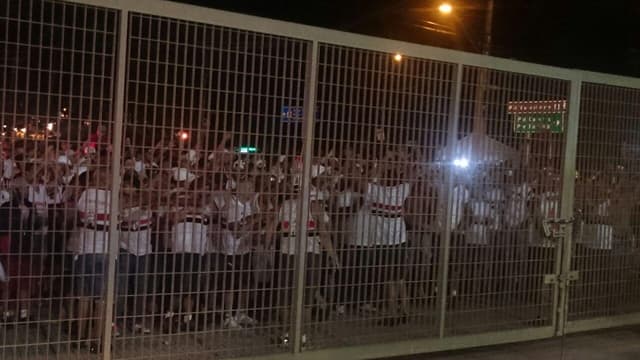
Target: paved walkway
x: 617, y: 344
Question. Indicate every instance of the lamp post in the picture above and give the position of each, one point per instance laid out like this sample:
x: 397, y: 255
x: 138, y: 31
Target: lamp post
x: 488, y: 25
x: 479, y: 123
x: 447, y: 9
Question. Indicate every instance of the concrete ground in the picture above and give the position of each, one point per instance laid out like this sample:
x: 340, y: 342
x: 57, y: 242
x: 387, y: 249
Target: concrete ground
x: 616, y: 344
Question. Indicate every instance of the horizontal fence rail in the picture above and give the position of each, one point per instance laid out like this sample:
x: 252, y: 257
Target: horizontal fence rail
x: 180, y: 182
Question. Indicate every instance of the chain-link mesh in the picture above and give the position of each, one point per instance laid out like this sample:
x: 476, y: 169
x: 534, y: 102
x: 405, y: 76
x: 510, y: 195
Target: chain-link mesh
x: 506, y: 185
x: 380, y: 120
x: 56, y: 109
x: 212, y: 149
x: 278, y: 195
x: 605, y: 252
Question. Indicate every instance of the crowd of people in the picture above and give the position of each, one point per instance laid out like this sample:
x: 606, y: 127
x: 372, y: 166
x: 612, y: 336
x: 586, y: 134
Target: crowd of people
x: 211, y: 236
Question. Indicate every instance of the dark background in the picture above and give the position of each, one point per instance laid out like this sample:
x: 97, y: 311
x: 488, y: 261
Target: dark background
x: 585, y: 34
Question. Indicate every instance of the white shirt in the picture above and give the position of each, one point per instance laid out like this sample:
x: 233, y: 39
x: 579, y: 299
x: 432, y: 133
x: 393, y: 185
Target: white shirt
x: 380, y: 221
x: 190, y: 235
x: 346, y: 199
x: 5, y: 195
x: 93, y: 208
x: 599, y: 236
x: 37, y: 195
x: 135, y: 231
x: 233, y: 211
x: 550, y: 205
x: 461, y: 197
x: 388, y: 199
x: 9, y: 168
x: 603, y: 208
x: 485, y: 213
x: 517, y: 212
x: 287, y: 217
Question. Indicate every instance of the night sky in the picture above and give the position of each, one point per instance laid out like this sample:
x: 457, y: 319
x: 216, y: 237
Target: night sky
x: 586, y: 34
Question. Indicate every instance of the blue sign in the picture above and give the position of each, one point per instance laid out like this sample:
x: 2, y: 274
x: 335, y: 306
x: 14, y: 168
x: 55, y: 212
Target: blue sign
x: 292, y: 113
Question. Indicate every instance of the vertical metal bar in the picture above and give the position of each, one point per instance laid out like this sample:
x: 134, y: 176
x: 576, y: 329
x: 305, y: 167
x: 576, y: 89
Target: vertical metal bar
x: 118, y: 105
x: 563, y: 259
x: 445, y: 243
x: 303, y: 215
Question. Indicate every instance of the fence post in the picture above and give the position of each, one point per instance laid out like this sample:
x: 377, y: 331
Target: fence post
x: 113, y: 247
x: 445, y: 244
x: 563, y: 260
x: 311, y: 77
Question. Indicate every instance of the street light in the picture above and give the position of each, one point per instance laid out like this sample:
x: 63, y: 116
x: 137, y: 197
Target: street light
x: 445, y: 8
x: 183, y: 135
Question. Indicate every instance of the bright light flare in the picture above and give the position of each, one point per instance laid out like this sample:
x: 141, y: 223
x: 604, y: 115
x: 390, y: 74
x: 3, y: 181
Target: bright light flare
x: 183, y: 135
x: 445, y: 8
x: 461, y: 163
x: 50, y: 126
x: 397, y: 57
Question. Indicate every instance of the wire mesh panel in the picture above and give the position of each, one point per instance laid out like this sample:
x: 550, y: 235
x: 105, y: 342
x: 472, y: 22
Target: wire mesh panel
x: 56, y: 86
x: 434, y: 189
x: 211, y: 176
x: 507, y: 165
x: 371, y: 275
x: 605, y: 252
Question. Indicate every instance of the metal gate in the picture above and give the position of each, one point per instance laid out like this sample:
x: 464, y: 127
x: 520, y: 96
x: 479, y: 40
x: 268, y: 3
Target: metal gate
x: 604, y: 257
x: 185, y: 182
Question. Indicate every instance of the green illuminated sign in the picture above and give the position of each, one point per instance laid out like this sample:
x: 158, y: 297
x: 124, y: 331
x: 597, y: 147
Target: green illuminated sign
x: 533, y: 123
x: 538, y: 116
x: 247, y: 150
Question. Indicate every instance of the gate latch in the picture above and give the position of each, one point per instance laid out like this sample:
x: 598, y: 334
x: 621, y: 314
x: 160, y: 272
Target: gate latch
x: 555, y: 228
x: 562, y: 279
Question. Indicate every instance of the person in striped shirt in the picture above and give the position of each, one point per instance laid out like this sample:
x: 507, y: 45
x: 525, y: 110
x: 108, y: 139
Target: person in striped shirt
x: 89, y: 243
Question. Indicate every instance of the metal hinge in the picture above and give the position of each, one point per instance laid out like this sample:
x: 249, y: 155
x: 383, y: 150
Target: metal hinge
x: 555, y: 228
x: 562, y: 279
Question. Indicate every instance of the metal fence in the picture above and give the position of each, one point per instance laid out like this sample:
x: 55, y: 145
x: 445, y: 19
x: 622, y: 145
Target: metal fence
x: 185, y: 182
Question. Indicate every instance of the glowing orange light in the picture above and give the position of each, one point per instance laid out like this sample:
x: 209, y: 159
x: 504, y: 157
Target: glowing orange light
x: 445, y: 8
x: 397, y: 57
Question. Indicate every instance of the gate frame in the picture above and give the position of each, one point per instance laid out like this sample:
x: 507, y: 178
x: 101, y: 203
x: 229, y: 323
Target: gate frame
x: 315, y: 35
x: 564, y: 250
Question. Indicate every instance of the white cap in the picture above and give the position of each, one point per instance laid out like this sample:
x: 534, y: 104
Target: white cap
x: 192, y: 156
x: 317, y: 170
x: 81, y: 170
x: 239, y: 164
x: 260, y: 163
x: 182, y: 174
x: 277, y: 173
x: 230, y: 185
x: 138, y: 166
